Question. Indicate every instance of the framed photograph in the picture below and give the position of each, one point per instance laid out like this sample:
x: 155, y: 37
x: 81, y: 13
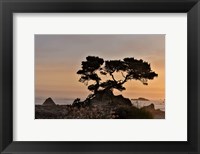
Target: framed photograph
x: 57, y: 76
x: 99, y: 76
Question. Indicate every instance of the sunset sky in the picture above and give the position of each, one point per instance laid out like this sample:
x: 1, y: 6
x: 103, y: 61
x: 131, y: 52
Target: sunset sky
x: 58, y: 58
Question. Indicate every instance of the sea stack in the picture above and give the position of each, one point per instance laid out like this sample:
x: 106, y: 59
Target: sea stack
x: 49, y: 102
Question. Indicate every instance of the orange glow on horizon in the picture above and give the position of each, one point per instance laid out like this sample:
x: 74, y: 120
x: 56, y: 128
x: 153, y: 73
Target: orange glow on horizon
x: 55, y: 73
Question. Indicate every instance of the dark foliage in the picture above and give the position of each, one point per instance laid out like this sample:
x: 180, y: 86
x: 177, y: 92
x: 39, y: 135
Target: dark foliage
x: 89, y: 72
x: 129, y: 68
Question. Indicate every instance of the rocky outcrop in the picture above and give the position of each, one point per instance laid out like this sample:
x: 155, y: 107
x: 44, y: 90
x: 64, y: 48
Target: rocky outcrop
x: 140, y: 99
x: 149, y: 107
x: 108, y: 98
x: 49, y: 102
x: 120, y: 100
x: 104, y: 105
x: 157, y: 114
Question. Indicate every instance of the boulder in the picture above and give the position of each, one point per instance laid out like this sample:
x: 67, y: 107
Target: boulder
x: 108, y: 98
x: 49, y: 102
x: 149, y: 107
x: 157, y: 114
x: 120, y: 100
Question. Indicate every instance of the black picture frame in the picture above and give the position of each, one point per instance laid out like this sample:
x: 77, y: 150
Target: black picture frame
x: 8, y: 7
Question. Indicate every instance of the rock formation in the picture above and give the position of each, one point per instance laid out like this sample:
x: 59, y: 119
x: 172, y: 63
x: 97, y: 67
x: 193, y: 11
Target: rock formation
x: 49, y: 102
x: 140, y: 99
x: 108, y: 98
x: 157, y: 113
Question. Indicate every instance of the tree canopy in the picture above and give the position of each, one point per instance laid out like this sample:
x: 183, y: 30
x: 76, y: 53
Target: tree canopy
x: 94, y: 68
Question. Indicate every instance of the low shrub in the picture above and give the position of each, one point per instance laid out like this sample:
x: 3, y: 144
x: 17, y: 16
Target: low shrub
x: 127, y: 112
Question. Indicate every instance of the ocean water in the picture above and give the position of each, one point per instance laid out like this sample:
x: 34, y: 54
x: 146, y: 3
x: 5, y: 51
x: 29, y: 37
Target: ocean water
x: 137, y: 103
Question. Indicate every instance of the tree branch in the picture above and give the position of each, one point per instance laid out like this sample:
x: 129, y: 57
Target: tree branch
x: 123, y: 75
x: 126, y: 78
x: 112, y: 77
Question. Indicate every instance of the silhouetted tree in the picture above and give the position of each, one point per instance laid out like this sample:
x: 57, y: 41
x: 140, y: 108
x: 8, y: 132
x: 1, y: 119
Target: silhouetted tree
x: 89, y: 72
x: 129, y: 68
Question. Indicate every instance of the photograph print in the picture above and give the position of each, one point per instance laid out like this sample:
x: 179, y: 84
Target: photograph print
x: 100, y: 76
